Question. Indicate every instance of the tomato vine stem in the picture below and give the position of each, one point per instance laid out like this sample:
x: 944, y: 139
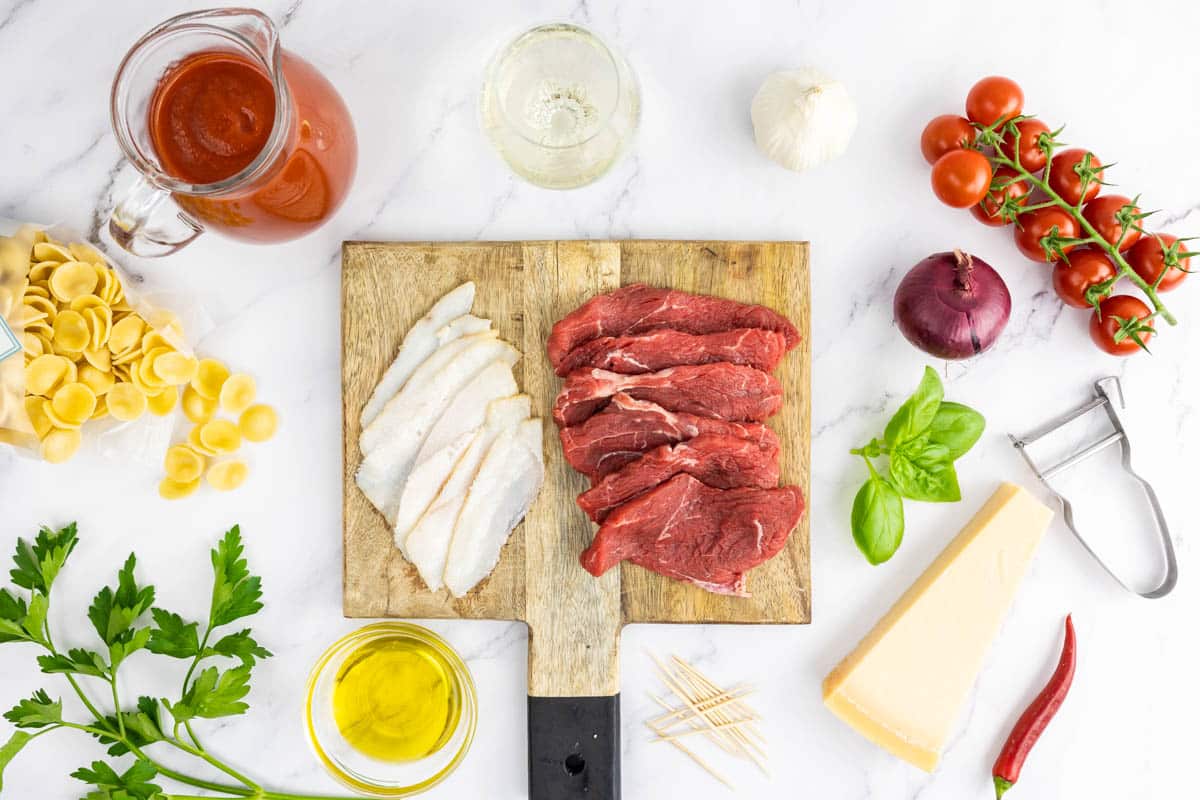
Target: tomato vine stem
x: 991, y: 136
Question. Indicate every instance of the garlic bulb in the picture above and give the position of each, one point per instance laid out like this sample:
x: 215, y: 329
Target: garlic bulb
x: 802, y: 118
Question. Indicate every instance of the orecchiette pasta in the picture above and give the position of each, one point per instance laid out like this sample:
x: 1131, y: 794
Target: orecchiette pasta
x: 89, y: 355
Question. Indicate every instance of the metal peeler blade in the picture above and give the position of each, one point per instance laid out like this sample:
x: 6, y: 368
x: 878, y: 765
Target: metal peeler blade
x: 1108, y: 395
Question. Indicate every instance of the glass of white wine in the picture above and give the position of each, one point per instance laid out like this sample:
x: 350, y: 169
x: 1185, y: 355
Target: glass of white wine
x: 559, y: 106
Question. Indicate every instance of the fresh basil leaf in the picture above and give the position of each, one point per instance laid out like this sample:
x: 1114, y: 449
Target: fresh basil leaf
x: 927, y: 475
x: 922, y: 449
x: 956, y: 426
x: 38, y: 564
x: 238, y: 645
x: 10, y: 749
x: 171, y: 636
x: 113, y: 612
x: 214, y: 694
x: 236, y: 593
x: 877, y: 520
x: 76, y: 661
x: 37, y: 711
x: 917, y: 412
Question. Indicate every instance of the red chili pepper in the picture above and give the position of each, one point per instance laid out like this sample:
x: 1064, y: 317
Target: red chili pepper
x: 1035, y: 719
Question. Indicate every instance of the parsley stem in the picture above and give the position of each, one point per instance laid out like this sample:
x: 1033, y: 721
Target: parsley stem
x: 199, y: 655
x: 262, y: 796
x: 187, y: 678
x: 82, y: 696
x: 187, y: 726
x: 216, y: 763
x: 288, y: 796
x: 87, y: 703
x: 164, y: 770
x: 117, y: 704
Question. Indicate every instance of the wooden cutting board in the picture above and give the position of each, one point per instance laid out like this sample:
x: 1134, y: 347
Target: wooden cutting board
x: 524, y: 288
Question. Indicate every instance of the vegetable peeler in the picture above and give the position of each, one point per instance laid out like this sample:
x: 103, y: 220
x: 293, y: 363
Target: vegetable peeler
x: 1108, y: 395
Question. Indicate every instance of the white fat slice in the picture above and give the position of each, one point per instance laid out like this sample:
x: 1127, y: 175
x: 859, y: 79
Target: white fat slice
x: 424, y: 483
x: 393, y: 411
x: 429, y: 542
x: 409, y: 418
x: 504, y: 488
x: 447, y: 440
x: 468, y: 410
x: 420, y: 341
x: 466, y: 325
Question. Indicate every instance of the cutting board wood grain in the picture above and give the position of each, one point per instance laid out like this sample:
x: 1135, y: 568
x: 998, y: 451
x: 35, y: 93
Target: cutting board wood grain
x: 574, y: 619
x: 524, y: 288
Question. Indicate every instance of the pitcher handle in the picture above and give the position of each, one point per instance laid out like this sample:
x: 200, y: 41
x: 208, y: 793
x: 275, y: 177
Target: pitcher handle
x: 148, y: 223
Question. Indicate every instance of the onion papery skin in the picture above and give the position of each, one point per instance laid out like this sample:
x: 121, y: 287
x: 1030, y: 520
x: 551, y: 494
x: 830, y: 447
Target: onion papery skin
x: 952, y: 305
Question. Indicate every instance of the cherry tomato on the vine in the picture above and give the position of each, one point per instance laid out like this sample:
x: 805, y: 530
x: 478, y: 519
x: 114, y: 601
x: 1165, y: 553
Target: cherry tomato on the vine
x: 1033, y: 226
x: 1084, y: 268
x: 1066, y: 182
x: 1032, y: 157
x: 1103, y: 212
x: 945, y: 133
x: 988, y: 210
x: 994, y: 98
x: 961, y: 178
x: 1149, y: 259
x: 1121, y: 324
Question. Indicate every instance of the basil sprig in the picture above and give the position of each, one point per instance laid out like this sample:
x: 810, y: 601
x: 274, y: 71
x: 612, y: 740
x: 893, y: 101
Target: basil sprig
x: 922, y: 441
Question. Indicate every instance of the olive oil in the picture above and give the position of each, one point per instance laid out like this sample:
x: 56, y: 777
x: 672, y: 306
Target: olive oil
x: 396, y: 699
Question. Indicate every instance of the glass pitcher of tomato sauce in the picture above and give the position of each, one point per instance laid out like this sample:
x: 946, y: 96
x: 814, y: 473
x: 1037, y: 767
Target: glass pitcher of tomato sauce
x: 230, y: 133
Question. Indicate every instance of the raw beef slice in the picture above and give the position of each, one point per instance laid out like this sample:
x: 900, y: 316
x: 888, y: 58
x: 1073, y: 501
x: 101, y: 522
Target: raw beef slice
x: 638, y: 308
x: 719, y: 391
x: 692, y: 532
x: 723, y: 462
x: 650, y: 352
x: 627, y: 428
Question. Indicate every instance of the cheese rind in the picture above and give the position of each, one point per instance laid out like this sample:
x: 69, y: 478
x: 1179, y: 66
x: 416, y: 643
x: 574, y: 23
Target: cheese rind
x: 904, y: 686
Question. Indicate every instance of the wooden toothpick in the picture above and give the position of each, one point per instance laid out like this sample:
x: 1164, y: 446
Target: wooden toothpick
x: 720, y: 715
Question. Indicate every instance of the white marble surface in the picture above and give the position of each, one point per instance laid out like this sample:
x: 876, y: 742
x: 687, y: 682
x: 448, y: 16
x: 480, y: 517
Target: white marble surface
x: 410, y: 73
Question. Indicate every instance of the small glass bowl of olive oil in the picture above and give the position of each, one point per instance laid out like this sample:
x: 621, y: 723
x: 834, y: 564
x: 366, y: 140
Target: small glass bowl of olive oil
x: 391, y: 709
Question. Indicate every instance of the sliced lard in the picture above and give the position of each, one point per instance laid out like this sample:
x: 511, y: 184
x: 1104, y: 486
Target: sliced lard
x: 419, y: 343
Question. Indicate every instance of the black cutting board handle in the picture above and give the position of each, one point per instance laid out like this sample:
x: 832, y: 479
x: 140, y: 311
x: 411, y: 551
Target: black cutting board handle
x: 575, y: 748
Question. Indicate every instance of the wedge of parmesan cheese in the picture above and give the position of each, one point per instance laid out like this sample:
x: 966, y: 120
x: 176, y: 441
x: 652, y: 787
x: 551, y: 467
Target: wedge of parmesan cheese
x: 904, y: 686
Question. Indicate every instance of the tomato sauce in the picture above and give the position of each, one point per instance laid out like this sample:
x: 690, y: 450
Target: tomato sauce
x: 211, y: 116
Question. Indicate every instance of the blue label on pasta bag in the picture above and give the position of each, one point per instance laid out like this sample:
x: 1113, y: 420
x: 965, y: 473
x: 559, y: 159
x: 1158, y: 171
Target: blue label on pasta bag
x: 10, y: 345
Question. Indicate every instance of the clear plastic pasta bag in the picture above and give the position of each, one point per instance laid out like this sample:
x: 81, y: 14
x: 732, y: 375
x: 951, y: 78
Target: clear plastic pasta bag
x: 83, y: 358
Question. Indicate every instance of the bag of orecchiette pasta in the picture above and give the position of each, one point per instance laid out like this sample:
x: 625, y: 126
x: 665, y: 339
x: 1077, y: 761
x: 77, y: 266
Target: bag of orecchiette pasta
x: 81, y: 359
x: 15, y: 427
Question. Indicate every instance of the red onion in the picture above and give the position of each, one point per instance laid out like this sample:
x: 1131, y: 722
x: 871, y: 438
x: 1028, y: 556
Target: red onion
x: 952, y: 305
